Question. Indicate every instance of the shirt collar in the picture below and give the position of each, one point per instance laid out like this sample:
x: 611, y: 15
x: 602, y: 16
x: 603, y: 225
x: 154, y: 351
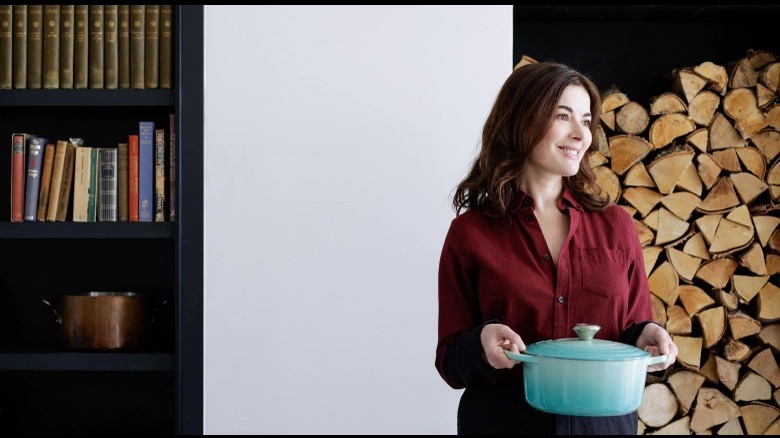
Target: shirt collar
x: 567, y: 200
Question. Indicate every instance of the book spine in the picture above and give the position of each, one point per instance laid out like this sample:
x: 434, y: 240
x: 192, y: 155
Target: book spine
x: 51, y: 46
x: 56, y: 180
x: 172, y: 168
x: 111, y: 42
x: 96, y: 47
x: 94, y: 187
x: 18, y: 169
x: 108, y: 185
x: 66, y: 46
x: 132, y: 178
x: 166, y: 46
x: 33, y: 184
x: 123, y: 45
x: 67, y: 182
x: 159, y: 175
x: 43, y: 196
x: 34, y: 46
x: 137, y: 46
x: 19, y: 46
x: 6, y: 46
x: 80, y: 184
x: 152, y: 47
x: 121, y: 182
x: 146, y: 165
x: 81, y: 47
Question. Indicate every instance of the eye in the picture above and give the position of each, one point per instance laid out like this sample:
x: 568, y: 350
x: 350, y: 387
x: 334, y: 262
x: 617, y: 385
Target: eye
x: 562, y: 116
x: 587, y: 122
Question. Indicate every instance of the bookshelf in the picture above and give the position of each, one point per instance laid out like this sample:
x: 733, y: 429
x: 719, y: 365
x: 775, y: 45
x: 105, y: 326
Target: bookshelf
x: 45, y: 389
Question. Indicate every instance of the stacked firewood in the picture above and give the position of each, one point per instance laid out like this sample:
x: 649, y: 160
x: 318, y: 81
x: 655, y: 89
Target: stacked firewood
x: 699, y: 171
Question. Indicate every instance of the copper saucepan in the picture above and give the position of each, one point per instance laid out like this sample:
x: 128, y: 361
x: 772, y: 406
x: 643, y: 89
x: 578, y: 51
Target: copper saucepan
x: 103, y: 321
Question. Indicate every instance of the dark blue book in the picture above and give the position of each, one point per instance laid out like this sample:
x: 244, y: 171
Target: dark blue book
x: 146, y: 166
x: 33, y: 185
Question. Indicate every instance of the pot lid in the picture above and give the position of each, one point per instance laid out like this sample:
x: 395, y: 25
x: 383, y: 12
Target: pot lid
x: 585, y: 347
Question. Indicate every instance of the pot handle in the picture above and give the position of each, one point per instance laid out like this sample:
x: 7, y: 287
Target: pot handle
x: 656, y: 359
x: 57, y: 315
x: 520, y: 357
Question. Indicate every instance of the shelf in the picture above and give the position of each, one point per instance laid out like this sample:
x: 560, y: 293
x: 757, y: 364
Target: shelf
x: 85, y: 361
x: 86, y: 230
x: 86, y: 98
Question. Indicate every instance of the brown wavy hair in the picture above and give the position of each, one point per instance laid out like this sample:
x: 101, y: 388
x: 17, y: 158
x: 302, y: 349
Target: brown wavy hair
x: 523, y: 112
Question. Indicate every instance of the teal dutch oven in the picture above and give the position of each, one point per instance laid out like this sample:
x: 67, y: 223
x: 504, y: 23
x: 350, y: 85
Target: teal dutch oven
x: 584, y: 376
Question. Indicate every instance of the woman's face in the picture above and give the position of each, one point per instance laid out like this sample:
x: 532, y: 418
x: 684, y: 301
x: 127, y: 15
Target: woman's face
x: 563, y: 146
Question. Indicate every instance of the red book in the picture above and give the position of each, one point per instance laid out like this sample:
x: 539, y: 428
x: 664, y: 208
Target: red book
x: 18, y: 174
x: 132, y: 178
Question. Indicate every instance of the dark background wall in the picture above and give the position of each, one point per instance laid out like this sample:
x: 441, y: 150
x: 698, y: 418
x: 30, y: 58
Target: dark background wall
x: 637, y: 47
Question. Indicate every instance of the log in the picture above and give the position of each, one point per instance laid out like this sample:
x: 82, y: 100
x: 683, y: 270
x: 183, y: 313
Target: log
x: 632, y: 118
x: 716, y: 75
x: 685, y: 384
x: 658, y: 406
x: 728, y: 372
x: 688, y: 83
x: 712, y: 408
x: 765, y: 365
x: 757, y: 417
x: 752, y: 387
x: 680, y: 426
x: 713, y: 325
x: 703, y: 106
x: 667, y: 103
x: 741, y: 325
x: 731, y: 427
x: 668, y: 127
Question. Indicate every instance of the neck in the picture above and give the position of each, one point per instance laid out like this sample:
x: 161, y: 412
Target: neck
x: 545, y: 191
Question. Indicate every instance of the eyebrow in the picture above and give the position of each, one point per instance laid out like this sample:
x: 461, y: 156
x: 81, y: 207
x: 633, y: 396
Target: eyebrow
x: 572, y: 111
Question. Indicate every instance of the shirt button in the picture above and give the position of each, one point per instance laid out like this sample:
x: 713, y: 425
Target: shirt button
x: 560, y: 299
x: 547, y: 257
x: 529, y: 218
x: 526, y: 202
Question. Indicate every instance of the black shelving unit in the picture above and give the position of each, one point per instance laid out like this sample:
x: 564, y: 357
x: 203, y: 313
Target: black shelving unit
x: 155, y: 390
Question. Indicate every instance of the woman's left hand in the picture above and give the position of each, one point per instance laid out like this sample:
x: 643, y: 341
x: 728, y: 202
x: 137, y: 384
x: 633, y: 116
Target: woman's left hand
x: 655, y: 340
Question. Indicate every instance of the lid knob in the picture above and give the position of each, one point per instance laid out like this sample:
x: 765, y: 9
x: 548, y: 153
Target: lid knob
x: 586, y: 331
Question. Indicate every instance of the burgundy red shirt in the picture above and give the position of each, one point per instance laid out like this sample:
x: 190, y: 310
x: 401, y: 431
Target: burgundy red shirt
x: 497, y: 271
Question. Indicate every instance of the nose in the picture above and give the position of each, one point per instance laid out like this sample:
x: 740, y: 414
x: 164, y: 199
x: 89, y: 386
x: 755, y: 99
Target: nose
x: 577, y: 131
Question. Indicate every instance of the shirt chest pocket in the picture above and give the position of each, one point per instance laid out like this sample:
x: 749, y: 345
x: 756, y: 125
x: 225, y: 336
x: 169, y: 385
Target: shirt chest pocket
x: 604, y: 271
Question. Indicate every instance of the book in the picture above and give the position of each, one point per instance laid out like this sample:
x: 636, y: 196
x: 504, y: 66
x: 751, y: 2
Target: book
x: 51, y: 46
x: 19, y: 46
x: 19, y: 143
x: 123, y: 45
x: 107, y: 166
x: 67, y: 16
x: 43, y: 196
x: 67, y: 182
x: 6, y: 47
x: 159, y: 175
x: 56, y: 180
x: 81, y: 47
x: 166, y: 46
x: 137, y: 46
x: 172, y: 168
x: 121, y: 182
x: 33, y: 184
x: 146, y: 166
x: 34, y: 46
x: 83, y: 176
x: 152, y: 47
x: 96, y: 47
x: 132, y: 178
x: 111, y: 42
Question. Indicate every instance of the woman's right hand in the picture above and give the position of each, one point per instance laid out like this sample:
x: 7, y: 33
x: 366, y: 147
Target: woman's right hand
x: 495, y: 339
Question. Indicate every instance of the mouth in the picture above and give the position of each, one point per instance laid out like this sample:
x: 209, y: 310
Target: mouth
x: 571, y: 152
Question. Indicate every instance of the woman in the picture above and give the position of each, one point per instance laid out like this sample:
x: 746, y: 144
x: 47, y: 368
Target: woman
x: 533, y: 250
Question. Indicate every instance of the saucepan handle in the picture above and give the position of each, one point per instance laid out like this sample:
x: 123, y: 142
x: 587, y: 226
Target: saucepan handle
x: 656, y: 359
x: 520, y: 357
